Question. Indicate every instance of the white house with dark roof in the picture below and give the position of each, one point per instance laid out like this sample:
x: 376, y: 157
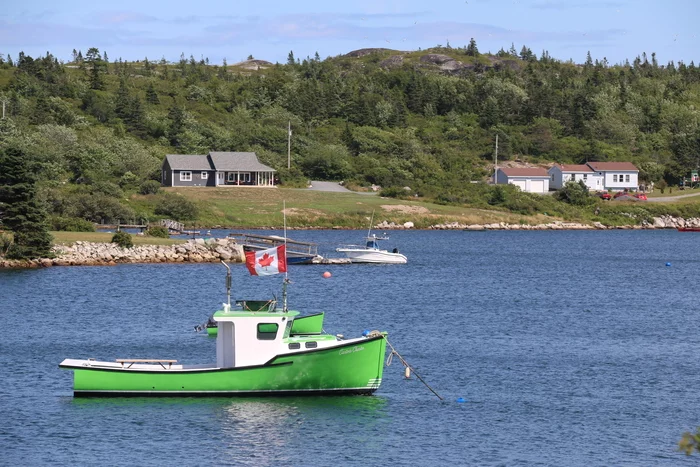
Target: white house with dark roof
x: 216, y: 169
x: 531, y: 179
x: 560, y: 174
x: 617, y: 176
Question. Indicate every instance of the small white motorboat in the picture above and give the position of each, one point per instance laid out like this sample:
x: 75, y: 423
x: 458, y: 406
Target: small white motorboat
x: 371, y: 253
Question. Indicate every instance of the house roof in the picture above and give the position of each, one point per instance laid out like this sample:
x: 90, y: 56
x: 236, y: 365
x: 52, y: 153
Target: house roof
x: 524, y: 172
x: 574, y: 168
x: 238, y: 161
x: 223, y: 161
x: 612, y: 166
x: 188, y: 162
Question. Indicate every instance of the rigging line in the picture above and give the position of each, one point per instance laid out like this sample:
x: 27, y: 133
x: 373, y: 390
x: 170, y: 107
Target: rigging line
x: 395, y: 352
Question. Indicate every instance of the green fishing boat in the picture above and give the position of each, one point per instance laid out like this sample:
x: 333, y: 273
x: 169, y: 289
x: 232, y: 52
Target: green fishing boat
x: 258, y: 353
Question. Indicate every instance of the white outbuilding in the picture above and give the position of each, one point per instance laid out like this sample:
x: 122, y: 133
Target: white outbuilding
x: 562, y: 173
x: 530, y: 179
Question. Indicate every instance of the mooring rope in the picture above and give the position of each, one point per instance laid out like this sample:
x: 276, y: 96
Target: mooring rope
x: 405, y: 363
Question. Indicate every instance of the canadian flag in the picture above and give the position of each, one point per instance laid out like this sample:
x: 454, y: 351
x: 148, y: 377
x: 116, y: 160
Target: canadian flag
x: 266, y: 262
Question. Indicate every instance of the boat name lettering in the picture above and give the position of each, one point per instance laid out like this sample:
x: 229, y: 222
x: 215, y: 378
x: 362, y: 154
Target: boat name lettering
x: 357, y: 348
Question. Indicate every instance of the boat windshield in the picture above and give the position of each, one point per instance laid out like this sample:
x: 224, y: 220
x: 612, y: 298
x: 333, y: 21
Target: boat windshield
x: 372, y: 244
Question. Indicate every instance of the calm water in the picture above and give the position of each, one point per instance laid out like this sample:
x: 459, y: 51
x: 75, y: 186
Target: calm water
x: 570, y: 348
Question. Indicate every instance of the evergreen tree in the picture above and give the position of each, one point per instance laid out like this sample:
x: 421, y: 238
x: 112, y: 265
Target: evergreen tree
x: 20, y: 211
x: 472, y: 49
x: 512, y: 50
x: 152, y: 95
x: 122, y: 103
x: 290, y: 58
x: 92, y: 57
x: 526, y: 54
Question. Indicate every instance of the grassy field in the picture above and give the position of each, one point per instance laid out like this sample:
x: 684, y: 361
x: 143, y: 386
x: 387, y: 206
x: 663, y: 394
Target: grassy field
x: 68, y: 238
x: 670, y: 192
x: 244, y: 207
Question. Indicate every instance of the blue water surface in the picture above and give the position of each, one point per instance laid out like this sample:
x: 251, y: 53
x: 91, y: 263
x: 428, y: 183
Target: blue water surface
x: 568, y: 348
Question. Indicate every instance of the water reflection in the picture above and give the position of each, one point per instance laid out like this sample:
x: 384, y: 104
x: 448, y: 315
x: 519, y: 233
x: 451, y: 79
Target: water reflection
x: 271, y: 431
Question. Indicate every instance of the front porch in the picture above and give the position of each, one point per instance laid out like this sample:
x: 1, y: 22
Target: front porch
x: 239, y: 178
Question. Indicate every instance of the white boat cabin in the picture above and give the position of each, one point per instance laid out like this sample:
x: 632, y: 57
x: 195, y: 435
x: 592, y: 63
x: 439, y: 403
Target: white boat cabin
x: 249, y: 338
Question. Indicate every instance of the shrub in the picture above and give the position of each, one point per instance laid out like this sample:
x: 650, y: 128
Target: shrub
x: 123, y: 239
x: 71, y: 224
x: 158, y: 231
x: 574, y: 193
x: 395, y: 192
x: 149, y: 187
x: 107, y: 188
x: 5, y: 243
x: 176, y: 207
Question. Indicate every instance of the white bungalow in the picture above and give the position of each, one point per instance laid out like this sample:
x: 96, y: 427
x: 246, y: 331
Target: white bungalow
x: 531, y: 179
x: 560, y: 174
x: 617, y: 176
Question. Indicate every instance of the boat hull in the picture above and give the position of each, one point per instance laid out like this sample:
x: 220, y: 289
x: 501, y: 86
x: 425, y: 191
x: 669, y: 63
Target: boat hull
x: 352, y: 368
x: 372, y: 256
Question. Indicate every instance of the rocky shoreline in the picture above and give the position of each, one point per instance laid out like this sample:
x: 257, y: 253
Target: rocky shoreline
x: 664, y: 222
x: 108, y: 254
x: 213, y: 250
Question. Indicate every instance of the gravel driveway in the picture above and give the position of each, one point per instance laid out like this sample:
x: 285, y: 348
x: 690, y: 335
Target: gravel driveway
x: 328, y: 186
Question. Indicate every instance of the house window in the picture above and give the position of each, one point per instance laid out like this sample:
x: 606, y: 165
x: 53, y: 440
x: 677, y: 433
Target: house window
x: 204, y: 175
x: 614, y: 178
x: 185, y: 176
x: 585, y: 177
x: 627, y: 178
x: 267, y: 331
x: 573, y: 177
x: 231, y: 177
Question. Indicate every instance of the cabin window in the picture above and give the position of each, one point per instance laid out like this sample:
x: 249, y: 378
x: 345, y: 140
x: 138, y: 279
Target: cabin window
x: 627, y: 178
x: 288, y: 329
x: 311, y: 345
x: 186, y: 176
x: 294, y: 346
x: 204, y: 175
x: 267, y: 331
x: 614, y: 178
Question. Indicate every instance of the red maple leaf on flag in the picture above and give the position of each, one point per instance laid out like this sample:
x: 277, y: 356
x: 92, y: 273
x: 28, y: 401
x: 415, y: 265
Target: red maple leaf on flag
x: 266, y: 260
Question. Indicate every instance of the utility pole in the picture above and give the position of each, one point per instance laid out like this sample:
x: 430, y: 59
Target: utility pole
x: 289, y: 145
x: 495, y: 162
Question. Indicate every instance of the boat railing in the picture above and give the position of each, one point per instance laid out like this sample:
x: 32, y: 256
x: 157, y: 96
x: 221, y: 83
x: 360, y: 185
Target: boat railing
x: 264, y: 242
x: 258, y: 305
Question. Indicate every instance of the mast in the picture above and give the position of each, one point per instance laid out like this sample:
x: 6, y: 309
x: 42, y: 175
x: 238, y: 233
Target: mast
x: 286, y: 279
x: 228, y: 287
x: 289, y: 145
x: 495, y: 162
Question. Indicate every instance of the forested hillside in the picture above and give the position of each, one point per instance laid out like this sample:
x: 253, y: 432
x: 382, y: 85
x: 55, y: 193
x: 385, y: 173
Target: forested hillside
x: 97, y: 129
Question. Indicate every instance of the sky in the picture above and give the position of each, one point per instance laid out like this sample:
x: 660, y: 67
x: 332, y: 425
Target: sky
x: 268, y: 30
